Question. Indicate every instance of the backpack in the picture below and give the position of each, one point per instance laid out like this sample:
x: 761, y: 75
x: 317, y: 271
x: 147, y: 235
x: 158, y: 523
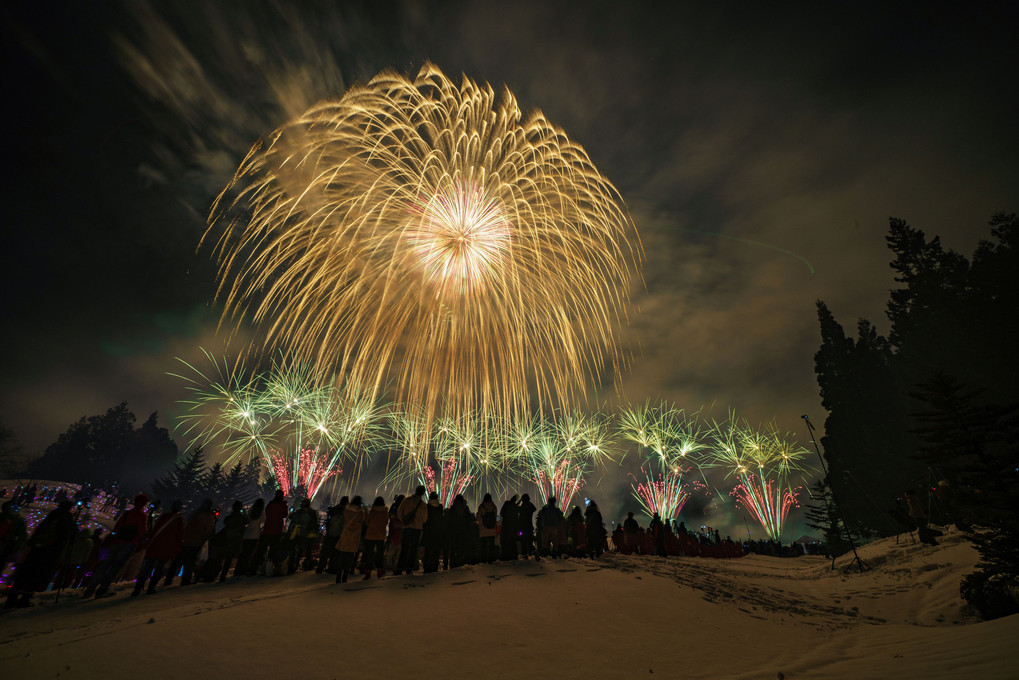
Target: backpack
x: 488, y: 519
x: 408, y: 517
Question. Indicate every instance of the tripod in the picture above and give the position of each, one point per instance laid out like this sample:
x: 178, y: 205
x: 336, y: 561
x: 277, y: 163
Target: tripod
x: 856, y: 561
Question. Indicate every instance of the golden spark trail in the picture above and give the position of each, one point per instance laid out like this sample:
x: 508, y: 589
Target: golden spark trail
x: 430, y: 239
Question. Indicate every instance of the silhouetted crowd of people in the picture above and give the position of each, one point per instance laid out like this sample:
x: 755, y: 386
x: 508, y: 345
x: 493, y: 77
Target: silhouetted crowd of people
x: 412, y: 533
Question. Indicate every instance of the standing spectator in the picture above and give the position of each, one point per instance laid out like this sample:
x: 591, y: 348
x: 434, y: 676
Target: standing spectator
x: 657, y: 531
x: 549, y: 520
x: 413, y: 513
x: 47, y: 544
x: 375, y: 538
x: 165, y: 540
x: 631, y: 534
x: 395, y: 534
x: 578, y: 532
x: 199, y: 529
x: 127, y: 537
x: 249, y: 539
x: 272, y: 529
x: 487, y: 523
x: 227, y: 542
x: 458, y: 520
x: 334, y: 528
x: 304, y: 530
x: 509, y: 532
x: 350, y: 539
x: 595, y: 529
x: 13, y: 534
x: 525, y: 523
x: 433, y: 537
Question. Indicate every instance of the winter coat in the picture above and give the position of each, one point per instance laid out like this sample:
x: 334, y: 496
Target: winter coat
x: 275, y: 514
x: 550, y: 516
x: 353, y: 520
x: 334, y: 525
x: 254, y: 528
x: 200, y: 528
x: 166, y: 538
x: 307, y: 520
x: 595, y: 529
x: 234, y: 525
x: 508, y: 511
x: 378, y: 522
x: 458, y: 521
x: 130, y: 527
x: 53, y: 531
x: 420, y: 508
x: 435, y: 528
x: 525, y: 515
x: 483, y: 509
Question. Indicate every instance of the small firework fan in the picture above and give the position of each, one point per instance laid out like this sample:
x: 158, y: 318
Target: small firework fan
x: 762, y: 461
x: 313, y: 470
x: 446, y: 479
x: 562, y: 482
x: 768, y: 503
x: 667, y: 494
x: 294, y: 419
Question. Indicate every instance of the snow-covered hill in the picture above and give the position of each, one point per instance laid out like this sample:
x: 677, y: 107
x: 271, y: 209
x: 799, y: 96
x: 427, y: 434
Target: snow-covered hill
x: 620, y: 617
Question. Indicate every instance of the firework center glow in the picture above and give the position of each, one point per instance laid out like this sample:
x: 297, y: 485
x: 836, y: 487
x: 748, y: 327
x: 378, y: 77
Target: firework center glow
x: 461, y: 237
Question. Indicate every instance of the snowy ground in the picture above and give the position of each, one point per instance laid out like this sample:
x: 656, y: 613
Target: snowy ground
x: 755, y: 617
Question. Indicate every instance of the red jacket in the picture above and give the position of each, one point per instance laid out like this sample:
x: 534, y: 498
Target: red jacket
x: 166, y: 538
x: 132, y: 519
x: 275, y: 513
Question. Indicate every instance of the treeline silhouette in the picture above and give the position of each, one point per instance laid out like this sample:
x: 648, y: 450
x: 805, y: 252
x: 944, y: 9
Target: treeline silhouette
x: 932, y: 405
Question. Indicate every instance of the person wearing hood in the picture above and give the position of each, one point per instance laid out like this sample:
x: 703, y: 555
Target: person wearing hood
x: 164, y: 542
x: 350, y: 539
x: 128, y: 536
x: 47, y: 544
x: 595, y: 529
x: 375, y: 538
x: 509, y: 533
x: 458, y: 521
x: 433, y: 537
x: 487, y: 527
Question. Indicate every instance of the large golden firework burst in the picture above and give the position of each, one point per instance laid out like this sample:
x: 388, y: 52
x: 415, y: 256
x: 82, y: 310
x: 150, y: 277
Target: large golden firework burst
x: 430, y: 240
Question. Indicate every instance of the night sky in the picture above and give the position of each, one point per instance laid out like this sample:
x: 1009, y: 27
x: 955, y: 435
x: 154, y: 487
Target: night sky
x: 760, y: 153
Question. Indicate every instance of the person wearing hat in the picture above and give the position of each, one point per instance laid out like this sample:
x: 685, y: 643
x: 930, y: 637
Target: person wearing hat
x: 128, y: 535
